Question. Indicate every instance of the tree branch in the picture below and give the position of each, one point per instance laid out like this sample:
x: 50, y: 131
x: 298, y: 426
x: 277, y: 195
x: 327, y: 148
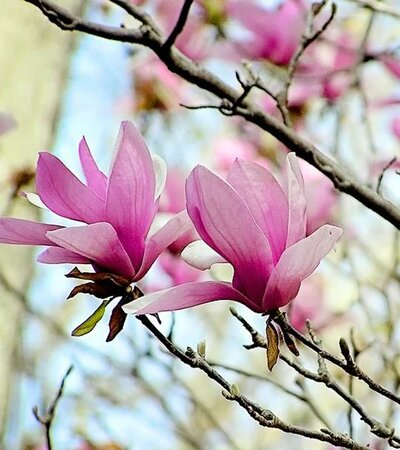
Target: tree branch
x: 347, y: 364
x: 263, y: 416
x: 149, y: 36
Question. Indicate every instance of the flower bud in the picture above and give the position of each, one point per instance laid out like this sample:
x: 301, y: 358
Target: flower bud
x: 234, y: 390
x: 201, y: 348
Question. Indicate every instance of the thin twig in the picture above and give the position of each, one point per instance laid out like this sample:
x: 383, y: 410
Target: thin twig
x: 378, y: 7
x: 304, y: 397
x: 383, y: 171
x: 307, y: 38
x: 136, y: 13
x: 263, y: 416
x: 48, y: 419
x: 347, y: 364
x: 180, y: 24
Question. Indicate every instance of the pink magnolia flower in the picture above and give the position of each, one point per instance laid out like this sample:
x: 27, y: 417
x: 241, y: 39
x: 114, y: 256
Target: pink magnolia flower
x: 274, y: 34
x: 335, y: 74
x: 325, y: 70
x: 310, y: 305
x: 227, y: 149
x: 250, y: 222
x: 195, y: 40
x: 117, y: 210
x: 155, y: 87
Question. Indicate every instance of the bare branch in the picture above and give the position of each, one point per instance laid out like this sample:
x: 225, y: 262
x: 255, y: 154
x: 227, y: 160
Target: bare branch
x: 48, y: 419
x: 263, y: 416
x: 304, y: 397
x: 348, y: 364
x: 197, y: 75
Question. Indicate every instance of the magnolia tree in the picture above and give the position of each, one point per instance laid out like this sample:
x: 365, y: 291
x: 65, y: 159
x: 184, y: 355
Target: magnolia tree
x: 300, y: 166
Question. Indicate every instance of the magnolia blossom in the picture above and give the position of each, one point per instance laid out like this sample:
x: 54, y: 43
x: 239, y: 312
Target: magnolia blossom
x: 173, y: 201
x: 195, y: 40
x: 227, y: 149
x: 328, y: 65
x: 117, y: 211
x: 256, y: 226
x: 155, y: 87
x: 274, y: 33
x: 310, y: 305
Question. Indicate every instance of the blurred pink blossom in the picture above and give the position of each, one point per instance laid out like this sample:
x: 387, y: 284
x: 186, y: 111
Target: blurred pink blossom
x: 321, y: 197
x: 156, y: 87
x: 274, y: 34
x: 309, y: 305
x: 195, y: 40
x: 227, y: 149
x: 178, y: 270
x: 173, y: 201
x: 327, y: 65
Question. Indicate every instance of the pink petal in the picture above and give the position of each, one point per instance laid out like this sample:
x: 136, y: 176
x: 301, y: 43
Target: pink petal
x: 224, y: 222
x: 64, y: 194
x: 58, y: 255
x: 96, y: 180
x: 297, y: 203
x: 130, y: 205
x: 97, y: 242
x: 265, y: 199
x: 297, y: 263
x: 25, y: 232
x: 185, y: 296
x: 160, y: 240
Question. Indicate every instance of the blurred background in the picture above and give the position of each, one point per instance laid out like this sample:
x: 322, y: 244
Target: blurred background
x: 56, y: 86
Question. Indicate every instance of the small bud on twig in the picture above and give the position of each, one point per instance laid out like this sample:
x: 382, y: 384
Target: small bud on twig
x: 234, y: 390
x: 201, y: 348
x: 345, y: 349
